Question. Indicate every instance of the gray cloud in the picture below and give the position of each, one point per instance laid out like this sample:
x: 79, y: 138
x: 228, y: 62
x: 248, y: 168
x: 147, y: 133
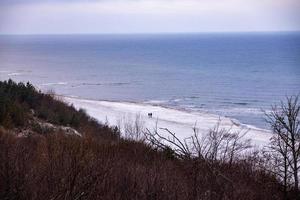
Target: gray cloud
x: 13, y: 2
x: 131, y: 16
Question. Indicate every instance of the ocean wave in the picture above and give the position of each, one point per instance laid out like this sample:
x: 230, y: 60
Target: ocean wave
x: 57, y: 83
x: 256, y: 111
x: 183, y: 98
x: 116, y: 83
x: 101, y: 84
x: 15, y: 74
x: 235, y: 103
x: 155, y: 102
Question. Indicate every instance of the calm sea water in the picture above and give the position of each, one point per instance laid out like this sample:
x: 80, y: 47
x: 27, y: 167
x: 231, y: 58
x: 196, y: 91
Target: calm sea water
x: 235, y: 75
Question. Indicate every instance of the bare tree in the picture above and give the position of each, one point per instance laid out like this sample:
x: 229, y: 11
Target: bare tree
x: 280, y: 156
x: 284, y: 121
x: 220, y: 144
x: 216, y: 145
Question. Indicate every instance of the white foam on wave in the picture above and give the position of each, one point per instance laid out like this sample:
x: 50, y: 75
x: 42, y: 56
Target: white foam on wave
x: 249, y: 111
x: 14, y: 74
x: 57, y: 83
x: 155, y: 102
x: 100, y: 84
x: 178, y: 121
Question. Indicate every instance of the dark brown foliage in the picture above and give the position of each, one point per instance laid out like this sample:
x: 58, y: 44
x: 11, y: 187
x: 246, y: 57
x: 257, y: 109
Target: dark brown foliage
x: 58, y: 166
x: 101, y: 165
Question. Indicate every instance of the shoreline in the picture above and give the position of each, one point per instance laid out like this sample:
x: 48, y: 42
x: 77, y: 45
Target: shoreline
x: 181, y: 122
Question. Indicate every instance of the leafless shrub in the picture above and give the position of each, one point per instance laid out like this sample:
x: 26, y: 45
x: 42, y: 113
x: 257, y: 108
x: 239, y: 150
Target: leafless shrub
x: 170, y: 142
x: 217, y: 144
x: 132, y: 128
x: 220, y: 144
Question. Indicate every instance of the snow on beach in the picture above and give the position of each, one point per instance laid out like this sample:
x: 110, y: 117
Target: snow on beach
x: 179, y: 122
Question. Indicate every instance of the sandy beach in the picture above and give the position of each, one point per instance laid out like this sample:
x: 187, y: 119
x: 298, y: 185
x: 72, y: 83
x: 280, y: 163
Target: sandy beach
x: 178, y: 121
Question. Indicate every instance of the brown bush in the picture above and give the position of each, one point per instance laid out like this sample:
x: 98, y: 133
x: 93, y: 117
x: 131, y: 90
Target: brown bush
x: 58, y: 166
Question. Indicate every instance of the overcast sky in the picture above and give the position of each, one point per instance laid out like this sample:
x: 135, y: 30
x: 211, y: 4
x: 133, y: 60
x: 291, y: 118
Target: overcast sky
x: 147, y: 16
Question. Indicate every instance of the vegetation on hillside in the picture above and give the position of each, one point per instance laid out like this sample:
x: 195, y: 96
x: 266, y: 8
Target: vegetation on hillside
x: 103, y: 165
x: 20, y: 102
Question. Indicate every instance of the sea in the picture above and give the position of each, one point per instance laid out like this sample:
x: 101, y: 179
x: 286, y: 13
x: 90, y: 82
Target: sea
x: 237, y: 75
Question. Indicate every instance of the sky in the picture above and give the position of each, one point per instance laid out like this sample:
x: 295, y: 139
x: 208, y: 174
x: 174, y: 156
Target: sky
x: 147, y: 16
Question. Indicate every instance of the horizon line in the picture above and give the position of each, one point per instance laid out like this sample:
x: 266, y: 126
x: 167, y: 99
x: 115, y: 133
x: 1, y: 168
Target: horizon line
x: 152, y: 33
